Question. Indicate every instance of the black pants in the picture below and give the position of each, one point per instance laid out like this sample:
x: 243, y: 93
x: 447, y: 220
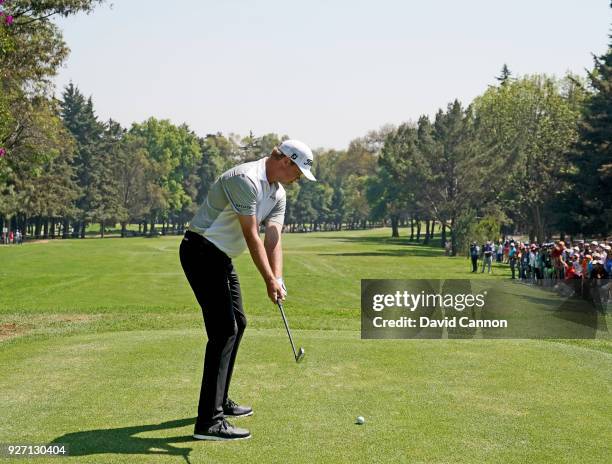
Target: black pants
x: 214, y: 282
x: 474, y: 263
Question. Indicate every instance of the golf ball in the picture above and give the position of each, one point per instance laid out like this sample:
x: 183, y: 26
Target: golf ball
x: 360, y: 420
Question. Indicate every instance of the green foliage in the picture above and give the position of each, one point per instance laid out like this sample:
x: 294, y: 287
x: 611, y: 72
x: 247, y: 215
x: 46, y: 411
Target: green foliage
x: 591, y: 158
x: 505, y: 75
x: 31, y: 51
x: 105, y: 202
x: 135, y: 176
x: 488, y: 228
x: 399, y: 174
x: 175, y: 152
x: 39, y: 159
x: 465, y: 230
x: 534, y: 149
x: 91, y: 173
x: 529, y: 125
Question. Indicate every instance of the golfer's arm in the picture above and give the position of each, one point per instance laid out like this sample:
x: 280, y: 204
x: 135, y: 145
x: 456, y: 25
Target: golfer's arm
x: 256, y: 247
x: 274, y: 250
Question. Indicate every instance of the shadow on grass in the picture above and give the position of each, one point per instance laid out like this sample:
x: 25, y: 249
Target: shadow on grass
x: 415, y: 248
x: 397, y: 253
x: 122, y: 440
x: 434, y: 243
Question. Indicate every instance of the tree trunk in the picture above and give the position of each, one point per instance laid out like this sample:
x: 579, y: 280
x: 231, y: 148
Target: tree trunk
x: 102, y: 229
x: 65, y: 229
x: 123, y: 229
x: 37, y: 228
x: 52, y: 233
x: 538, y: 223
x: 394, y: 223
x: 411, y: 228
x: 443, y: 235
x: 453, y: 238
x: 46, y: 229
x: 418, y: 223
x: 426, y: 241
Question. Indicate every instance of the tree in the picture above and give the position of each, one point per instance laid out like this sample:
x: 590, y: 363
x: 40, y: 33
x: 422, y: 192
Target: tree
x: 392, y: 191
x: 42, y: 140
x: 135, y: 177
x: 31, y: 51
x: 52, y: 193
x: 592, y: 155
x: 106, y: 205
x: 505, y: 75
x: 174, y: 152
x: 456, y: 168
x: 79, y: 118
x: 254, y: 148
x: 356, y: 203
x: 528, y: 126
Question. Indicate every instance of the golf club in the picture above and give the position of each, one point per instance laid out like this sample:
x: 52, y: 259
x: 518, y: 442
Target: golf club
x: 299, y: 355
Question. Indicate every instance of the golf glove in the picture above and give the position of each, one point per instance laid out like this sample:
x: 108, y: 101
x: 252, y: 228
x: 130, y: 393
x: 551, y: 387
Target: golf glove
x: 282, y: 284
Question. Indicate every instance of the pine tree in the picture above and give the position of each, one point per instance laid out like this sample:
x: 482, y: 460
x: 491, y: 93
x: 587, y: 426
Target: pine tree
x: 79, y: 118
x: 505, y: 75
x: 592, y: 157
x: 105, y: 203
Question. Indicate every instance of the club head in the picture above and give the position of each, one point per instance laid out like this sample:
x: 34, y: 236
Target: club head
x: 300, y: 355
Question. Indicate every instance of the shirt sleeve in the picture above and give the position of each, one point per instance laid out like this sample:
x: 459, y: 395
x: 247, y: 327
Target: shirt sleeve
x: 242, y: 194
x: 277, y: 214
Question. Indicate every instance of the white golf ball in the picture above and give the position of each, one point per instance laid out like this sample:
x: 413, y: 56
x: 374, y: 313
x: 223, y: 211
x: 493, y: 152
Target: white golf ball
x: 360, y: 420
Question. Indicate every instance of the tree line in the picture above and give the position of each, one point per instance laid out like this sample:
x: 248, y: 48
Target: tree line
x: 531, y: 154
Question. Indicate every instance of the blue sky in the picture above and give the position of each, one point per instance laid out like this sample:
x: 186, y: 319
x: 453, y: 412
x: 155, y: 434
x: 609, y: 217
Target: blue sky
x: 324, y: 72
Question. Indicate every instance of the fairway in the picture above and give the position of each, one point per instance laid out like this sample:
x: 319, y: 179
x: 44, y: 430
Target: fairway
x: 102, y: 344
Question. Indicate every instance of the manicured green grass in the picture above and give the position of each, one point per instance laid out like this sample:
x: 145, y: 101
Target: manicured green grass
x: 103, y: 343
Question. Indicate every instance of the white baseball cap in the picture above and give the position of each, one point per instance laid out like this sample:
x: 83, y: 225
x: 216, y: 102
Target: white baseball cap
x: 300, y: 154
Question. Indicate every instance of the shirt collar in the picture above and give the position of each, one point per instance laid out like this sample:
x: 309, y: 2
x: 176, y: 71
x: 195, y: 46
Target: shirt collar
x: 261, y: 171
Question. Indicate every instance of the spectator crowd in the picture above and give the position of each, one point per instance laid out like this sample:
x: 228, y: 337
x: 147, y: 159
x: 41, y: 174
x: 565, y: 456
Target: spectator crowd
x: 11, y: 237
x: 584, y: 267
x: 548, y: 261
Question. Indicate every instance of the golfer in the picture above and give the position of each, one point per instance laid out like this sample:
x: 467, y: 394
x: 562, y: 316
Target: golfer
x: 223, y: 227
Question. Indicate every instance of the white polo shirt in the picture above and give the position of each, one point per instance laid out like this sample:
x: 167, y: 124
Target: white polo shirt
x: 243, y: 190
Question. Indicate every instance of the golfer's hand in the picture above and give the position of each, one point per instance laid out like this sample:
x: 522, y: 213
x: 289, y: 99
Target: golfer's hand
x: 282, y: 284
x: 275, y: 291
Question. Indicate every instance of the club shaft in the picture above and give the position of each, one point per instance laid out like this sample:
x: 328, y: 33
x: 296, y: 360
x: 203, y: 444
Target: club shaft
x: 280, y: 306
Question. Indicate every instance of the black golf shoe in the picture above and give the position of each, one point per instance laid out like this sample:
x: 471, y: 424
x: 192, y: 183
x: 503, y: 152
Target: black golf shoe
x: 232, y: 409
x: 221, y: 431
